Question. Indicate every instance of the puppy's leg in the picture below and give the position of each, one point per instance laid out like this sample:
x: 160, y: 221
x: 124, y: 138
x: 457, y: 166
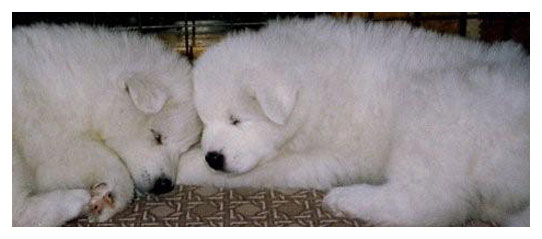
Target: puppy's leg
x: 85, y: 164
x: 422, y: 189
x: 45, y: 209
x: 53, y: 208
x: 399, y: 204
x: 112, y: 187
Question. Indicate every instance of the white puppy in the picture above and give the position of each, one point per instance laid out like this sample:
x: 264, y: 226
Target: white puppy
x: 94, y: 111
x: 418, y: 128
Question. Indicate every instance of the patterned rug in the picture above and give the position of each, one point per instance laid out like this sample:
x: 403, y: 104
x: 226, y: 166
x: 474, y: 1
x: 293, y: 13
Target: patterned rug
x: 209, y: 206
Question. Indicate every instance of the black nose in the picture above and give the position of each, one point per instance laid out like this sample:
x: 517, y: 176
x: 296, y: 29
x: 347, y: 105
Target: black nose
x: 162, y: 185
x: 215, y: 160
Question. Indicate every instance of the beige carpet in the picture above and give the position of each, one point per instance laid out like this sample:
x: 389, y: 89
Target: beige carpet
x: 209, y: 206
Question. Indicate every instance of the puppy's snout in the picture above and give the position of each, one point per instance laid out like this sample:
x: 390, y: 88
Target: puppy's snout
x: 215, y: 160
x: 162, y: 185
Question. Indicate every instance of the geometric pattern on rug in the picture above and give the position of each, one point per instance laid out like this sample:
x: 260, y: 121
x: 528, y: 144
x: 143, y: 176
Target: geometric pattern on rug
x: 209, y: 206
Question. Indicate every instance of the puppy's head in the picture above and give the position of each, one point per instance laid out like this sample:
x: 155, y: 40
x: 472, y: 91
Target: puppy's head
x: 246, y: 111
x: 151, y: 123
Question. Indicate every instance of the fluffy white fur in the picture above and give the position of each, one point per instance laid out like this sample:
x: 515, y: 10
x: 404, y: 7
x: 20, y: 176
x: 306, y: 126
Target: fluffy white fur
x: 84, y: 103
x: 404, y: 126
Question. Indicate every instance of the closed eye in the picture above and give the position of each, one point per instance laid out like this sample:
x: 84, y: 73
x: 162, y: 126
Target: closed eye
x: 157, y: 137
x: 234, y: 120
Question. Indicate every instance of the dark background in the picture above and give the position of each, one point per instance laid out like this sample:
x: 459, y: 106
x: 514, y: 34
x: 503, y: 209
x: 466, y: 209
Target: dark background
x: 191, y: 32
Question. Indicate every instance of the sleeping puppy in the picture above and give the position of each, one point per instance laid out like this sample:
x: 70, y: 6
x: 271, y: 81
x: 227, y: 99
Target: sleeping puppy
x: 402, y: 126
x: 95, y: 113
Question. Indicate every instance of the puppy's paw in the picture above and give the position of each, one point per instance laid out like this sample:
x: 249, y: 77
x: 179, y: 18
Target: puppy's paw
x: 361, y: 201
x: 374, y: 204
x: 102, y: 203
x: 336, y: 203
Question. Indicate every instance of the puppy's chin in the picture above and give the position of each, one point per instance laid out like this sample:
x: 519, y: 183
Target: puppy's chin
x: 230, y: 172
x: 245, y: 170
x: 235, y: 172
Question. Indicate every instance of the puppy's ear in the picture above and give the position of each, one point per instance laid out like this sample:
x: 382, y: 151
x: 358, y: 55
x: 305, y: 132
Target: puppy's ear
x: 146, y: 93
x: 276, y: 100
